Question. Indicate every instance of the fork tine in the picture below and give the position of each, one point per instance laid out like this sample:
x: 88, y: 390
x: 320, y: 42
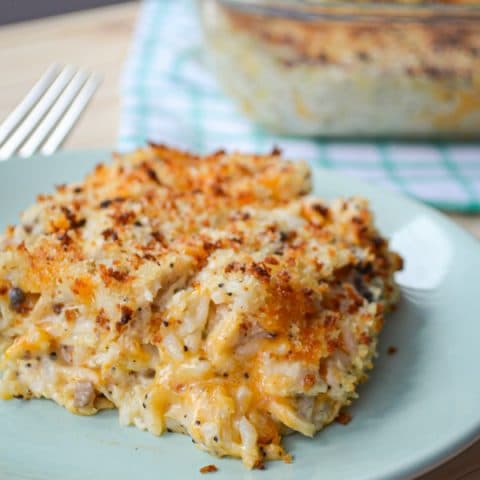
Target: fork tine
x: 28, y: 102
x: 38, y: 111
x: 52, y: 117
x: 72, y: 114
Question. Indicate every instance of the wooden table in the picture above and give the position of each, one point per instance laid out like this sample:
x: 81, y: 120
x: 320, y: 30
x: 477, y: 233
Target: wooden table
x: 99, y: 39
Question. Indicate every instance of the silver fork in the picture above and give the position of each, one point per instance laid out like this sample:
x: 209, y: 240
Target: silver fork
x: 48, y: 112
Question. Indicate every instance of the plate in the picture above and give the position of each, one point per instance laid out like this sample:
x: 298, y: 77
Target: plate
x: 420, y: 406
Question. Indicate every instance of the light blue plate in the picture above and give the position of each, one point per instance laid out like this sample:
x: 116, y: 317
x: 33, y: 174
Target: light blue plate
x: 420, y: 407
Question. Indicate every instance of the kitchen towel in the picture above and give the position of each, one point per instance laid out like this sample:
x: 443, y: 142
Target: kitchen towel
x: 169, y: 96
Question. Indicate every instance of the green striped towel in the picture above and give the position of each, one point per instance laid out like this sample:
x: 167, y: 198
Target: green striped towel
x: 169, y: 96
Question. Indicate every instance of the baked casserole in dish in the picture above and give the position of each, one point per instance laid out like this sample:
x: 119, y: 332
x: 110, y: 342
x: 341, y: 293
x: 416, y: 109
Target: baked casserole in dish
x: 349, y: 69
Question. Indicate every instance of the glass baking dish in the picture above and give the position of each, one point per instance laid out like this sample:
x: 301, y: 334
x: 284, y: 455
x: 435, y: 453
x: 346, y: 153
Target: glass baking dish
x: 349, y: 69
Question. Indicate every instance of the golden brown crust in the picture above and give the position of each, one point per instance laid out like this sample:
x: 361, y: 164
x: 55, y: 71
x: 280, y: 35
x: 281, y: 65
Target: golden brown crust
x: 435, y: 48
x: 124, y: 194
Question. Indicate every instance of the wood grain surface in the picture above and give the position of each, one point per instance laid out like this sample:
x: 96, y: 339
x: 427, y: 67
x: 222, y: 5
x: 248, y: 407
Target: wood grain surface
x: 99, y: 39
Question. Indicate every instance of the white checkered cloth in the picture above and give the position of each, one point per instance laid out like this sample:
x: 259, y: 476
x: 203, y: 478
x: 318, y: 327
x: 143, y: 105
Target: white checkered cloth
x: 169, y: 96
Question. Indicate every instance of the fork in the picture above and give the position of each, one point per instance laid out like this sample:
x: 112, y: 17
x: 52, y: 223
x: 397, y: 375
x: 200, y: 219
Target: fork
x: 48, y: 112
